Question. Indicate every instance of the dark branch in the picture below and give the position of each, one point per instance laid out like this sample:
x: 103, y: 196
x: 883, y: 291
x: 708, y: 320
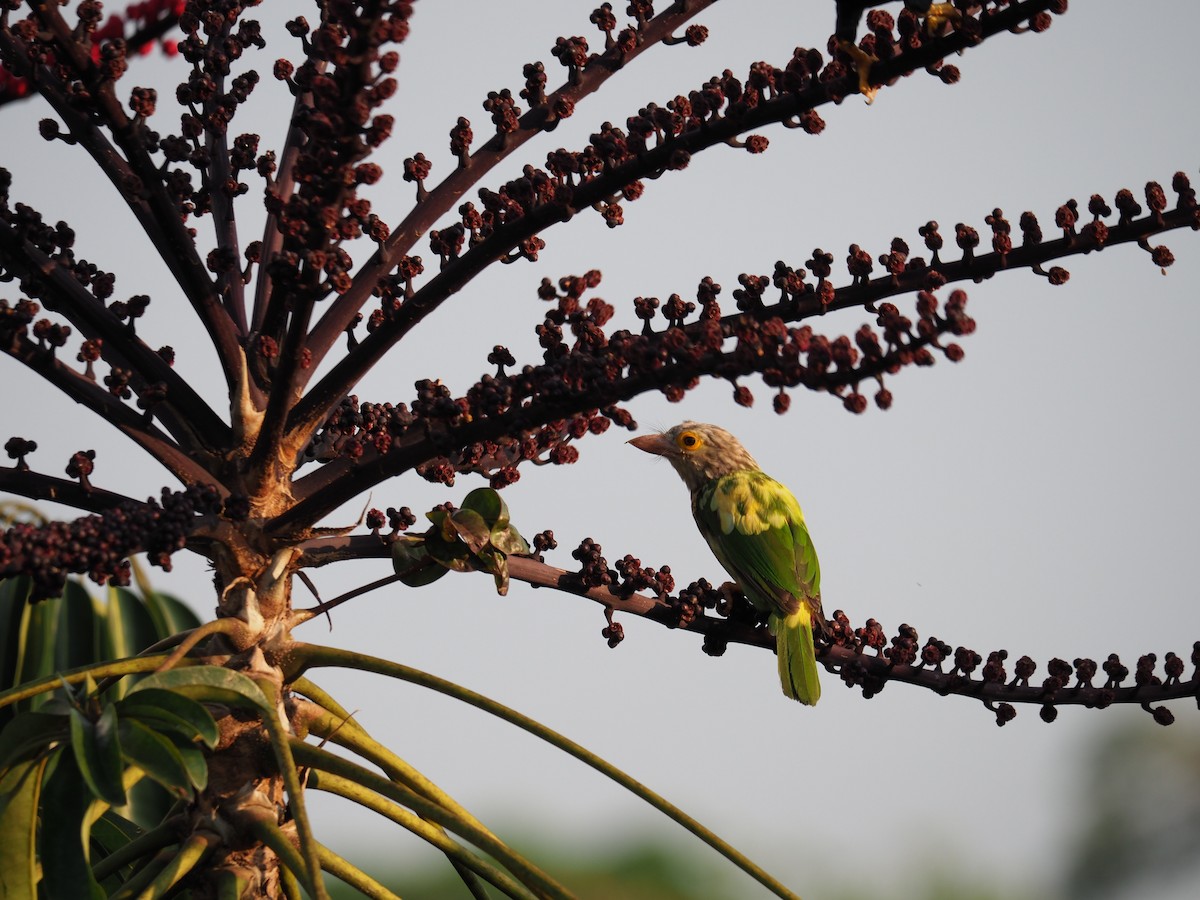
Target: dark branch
x: 670, y: 154
x: 111, y: 409
x: 862, y: 658
x: 134, y: 174
x: 100, y: 545
x: 151, y: 20
x: 185, y: 415
x: 220, y: 179
x: 677, y: 356
x: 450, y: 191
x: 36, y: 486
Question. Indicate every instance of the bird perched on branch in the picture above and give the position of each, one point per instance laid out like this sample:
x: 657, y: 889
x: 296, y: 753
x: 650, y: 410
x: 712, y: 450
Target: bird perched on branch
x: 849, y: 14
x: 756, y: 530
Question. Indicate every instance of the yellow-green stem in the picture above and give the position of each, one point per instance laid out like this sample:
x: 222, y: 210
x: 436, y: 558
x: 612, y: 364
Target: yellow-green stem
x: 280, y: 744
x: 191, y: 853
x: 309, y: 655
x: 435, y: 835
x: 143, y: 878
x: 134, y: 665
x: 289, y: 857
x: 529, y: 874
x: 352, y: 875
x: 232, y: 884
x: 352, y: 736
x: 162, y: 835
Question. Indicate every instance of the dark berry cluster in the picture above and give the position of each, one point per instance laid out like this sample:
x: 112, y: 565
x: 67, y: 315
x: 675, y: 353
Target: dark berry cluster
x: 122, y: 33
x: 633, y: 577
x: 355, y: 426
x: 100, y: 545
x: 1064, y: 682
x: 396, y: 520
x: 344, y: 78
x: 692, y: 600
x: 594, y: 570
x: 868, y: 657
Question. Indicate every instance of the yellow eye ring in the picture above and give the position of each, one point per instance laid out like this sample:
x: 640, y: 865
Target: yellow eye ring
x: 689, y: 440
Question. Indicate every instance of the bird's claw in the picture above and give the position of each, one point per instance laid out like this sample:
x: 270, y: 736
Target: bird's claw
x: 862, y: 64
x: 937, y: 19
x: 941, y: 14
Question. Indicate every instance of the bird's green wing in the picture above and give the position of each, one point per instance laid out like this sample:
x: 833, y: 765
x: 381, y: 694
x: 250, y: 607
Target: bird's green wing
x: 756, y: 529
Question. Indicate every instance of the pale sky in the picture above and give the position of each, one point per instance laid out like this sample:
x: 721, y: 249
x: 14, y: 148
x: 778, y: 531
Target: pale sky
x: 1039, y: 496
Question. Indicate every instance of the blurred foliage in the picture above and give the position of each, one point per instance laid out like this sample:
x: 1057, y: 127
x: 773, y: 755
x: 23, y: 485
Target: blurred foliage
x: 649, y: 869
x: 653, y: 869
x: 1136, y: 816
x: 1139, y: 816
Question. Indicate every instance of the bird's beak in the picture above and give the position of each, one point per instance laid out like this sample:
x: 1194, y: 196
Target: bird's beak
x: 658, y: 444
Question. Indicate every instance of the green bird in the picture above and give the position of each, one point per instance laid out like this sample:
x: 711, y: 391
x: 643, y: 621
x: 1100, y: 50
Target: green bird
x: 756, y: 530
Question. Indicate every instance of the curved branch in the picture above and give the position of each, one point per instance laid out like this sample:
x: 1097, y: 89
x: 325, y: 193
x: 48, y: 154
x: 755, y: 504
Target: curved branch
x: 282, y: 187
x: 312, y: 655
x: 871, y: 671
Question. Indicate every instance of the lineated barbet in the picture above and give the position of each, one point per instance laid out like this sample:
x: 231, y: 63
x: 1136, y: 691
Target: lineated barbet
x: 755, y: 528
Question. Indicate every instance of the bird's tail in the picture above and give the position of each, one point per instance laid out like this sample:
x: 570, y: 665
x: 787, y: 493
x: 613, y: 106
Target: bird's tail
x: 796, y: 656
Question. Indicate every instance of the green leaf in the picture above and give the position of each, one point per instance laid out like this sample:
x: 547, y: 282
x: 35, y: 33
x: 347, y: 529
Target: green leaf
x: 471, y: 528
x: 496, y: 563
x: 169, y: 615
x: 27, y: 735
x: 408, y: 554
x: 109, y: 834
x: 14, y: 594
x: 149, y: 803
x: 38, y: 630
x: 157, y: 756
x: 509, y: 541
x: 77, y: 627
x: 113, y: 831
x: 97, y: 751
x: 131, y: 628
x: 19, y: 791
x: 441, y: 523
x: 430, y: 573
x: 173, y: 711
x: 413, y: 564
x: 64, y: 836
x: 208, y: 684
x: 453, y: 555
x: 193, y: 760
x: 488, y: 503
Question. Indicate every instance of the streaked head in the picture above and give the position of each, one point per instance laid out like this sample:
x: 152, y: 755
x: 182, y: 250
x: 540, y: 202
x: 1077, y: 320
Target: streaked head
x: 699, y: 452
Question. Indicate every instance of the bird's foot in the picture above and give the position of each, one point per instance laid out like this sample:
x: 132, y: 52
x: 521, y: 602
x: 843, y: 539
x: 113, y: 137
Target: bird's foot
x: 729, y: 592
x: 940, y: 15
x: 862, y: 64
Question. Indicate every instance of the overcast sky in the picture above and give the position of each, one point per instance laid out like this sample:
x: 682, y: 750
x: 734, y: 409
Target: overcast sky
x: 1039, y: 496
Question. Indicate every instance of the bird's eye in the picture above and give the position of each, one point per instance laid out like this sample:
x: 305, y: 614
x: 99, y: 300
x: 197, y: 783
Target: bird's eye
x: 689, y: 440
